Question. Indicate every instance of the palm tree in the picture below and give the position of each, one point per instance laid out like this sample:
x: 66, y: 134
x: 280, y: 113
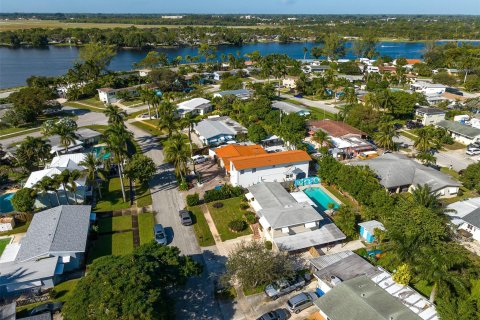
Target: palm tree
x: 189, y: 122
x: 167, y: 123
x: 67, y: 135
x: 384, y: 137
x: 176, y: 152
x: 426, y: 158
x: 44, y: 186
x: 114, y: 114
x: 321, y: 137
x: 72, y: 184
x: 145, y: 96
x: 93, y: 165
x: 424, y: 140
x: 62, y: 179
x: 305, y: 51
x: 424, y: 196
x: 116, y: 138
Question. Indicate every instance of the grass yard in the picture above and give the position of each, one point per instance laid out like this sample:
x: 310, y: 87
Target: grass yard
x: 222, y: 217
x: 114, y: 224
x: 133, y: 103
x: 340, y: 196
x: 202, y: 231
x: 145, y: 227
x: 135, y: 114
x: 320, y: 114
x: 16, y: 131
x: 94, y: 102
x: 83, y: 106
x: 455, y: 146
x: 3, y: 244
x: 97, y: 127
x: 148, y: 126
x: 454, y: 174
x: 142, y: 195
x: 252, y: 291
x: 64, y: 291
x: 112, y: 198
x: 111, y: 244
x: 408, y: 135
x: 423, y: 287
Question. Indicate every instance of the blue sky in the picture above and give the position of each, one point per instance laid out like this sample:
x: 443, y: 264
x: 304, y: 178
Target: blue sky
x: 247, y: 6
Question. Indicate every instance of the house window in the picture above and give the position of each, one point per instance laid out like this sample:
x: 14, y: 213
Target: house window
x: 469, y: 227
x: 254, y: 170
x: 242, y: 171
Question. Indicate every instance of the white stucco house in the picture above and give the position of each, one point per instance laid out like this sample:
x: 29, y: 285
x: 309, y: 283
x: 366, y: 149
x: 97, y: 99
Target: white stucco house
x: 460, y: 132
x: 430, y: 115
x: 466, y: 216
x: 271, y: 167
x: 428, y: 88
x: 195, y: 106
x: 289, y: 224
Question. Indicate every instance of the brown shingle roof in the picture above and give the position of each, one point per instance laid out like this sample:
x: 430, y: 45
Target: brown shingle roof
x: 335, y: 128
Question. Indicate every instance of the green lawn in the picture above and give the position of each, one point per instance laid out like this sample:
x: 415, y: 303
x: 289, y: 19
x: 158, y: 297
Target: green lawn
x: 142, y: 195
x: 93, y: 102
x: 454, y: 174
x: 111, y: 244
x: 423, y: 287
x: 455, y: 146
x: 3, y: 244
x: 202, y: 231
x: 133, y: 115
x: 19, y: 228
x: 83, y: 106
x: 114, y: 224
x: 249, y: 292
x: 64, y: 291
x: 222, y: 217
x: 340, y: 196
x: 11, y: 131
x: 408, y: 135
x: 133, y: 103
x: 97, y: 127
x: 320, y: 114
x: 112, y: 198
x: 148, y: 128
x: 145, y: 227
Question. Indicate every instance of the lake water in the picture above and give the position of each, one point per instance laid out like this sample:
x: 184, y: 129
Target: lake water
x: 16, y: 65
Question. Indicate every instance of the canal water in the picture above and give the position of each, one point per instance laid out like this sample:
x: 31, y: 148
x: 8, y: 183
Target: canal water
x: 16, y: 65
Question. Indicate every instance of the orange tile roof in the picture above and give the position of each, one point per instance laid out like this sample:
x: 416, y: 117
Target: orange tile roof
x: 413, y: 61
x: 270, y: 159
x: 232, y: 151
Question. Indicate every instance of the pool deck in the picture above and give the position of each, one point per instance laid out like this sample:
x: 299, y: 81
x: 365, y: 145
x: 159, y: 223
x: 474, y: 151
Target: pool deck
x: 319, y: 185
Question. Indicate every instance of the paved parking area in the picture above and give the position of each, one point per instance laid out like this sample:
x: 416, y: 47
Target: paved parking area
x: 457, y: 159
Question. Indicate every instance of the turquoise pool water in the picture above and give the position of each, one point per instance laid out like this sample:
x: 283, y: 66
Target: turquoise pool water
x: 320, y: 198
x: 5, y: 203
x: 99, y: 150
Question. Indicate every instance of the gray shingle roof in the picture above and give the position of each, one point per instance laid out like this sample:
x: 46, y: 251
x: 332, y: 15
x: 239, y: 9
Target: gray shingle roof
x: 473, y: 218
x: 361, y: 298
x: 34, y: 270
x: 431, y: 111
x: 288, y: 107
x: 213, y: 127
x: 396, y: 170
x: 459, y: 128
x: 293, y: 215
x: 343, y: 265
x: 86, y: 133
x: 60, y: 229
x: 271, y: 195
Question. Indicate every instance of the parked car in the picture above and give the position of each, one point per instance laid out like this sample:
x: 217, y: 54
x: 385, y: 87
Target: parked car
x: 298, y: 95
x: 52, y: 307
x: 473, y: 151
x: 279, y: 314
x: 160, y: 236
x: 185, y: 217
x: 473, y: 145
x: 301, y: 301
x: 199, y: 159
x: 282, y: 287
x: 397, y: 126
x: 413, y: 124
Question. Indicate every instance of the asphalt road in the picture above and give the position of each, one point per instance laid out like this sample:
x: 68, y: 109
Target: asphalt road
x: 196, y: 299
x: 322, y: 105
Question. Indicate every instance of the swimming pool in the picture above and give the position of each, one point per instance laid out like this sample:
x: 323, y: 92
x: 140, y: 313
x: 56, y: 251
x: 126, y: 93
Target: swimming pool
x: 5, y: 203
x: 320, y: 198
x: 101, y: 151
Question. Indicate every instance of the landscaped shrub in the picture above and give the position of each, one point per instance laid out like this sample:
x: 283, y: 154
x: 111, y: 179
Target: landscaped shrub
x: 250, y: 217
x: 193, y: 199
x: 244, y: 206
x: 226, y: 192
x: 183, y: 186
x: 237, y: 225
x: 218, y: 205
x: 268, y: 245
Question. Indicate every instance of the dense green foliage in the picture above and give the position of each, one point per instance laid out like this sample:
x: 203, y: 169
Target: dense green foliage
x: 133, y: 286
x: 226, y: 192
x: 471, y: 177
x: 140, y: 168
x: 193, y: 199
x: 23, y: 200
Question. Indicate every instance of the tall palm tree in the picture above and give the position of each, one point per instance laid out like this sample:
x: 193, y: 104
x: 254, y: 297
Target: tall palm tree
x: 116, y: 138
x: 384, y: 137
x: 44, y: 186
x: 145, y: 97
x: 63, y: 179
x: 305, y: 51
x: 176, y: 152
x: 114, y: 114
x: 322, y: 138
x: 93, y: 165
x: 167, y: 123
x: 67, y: 135
x: 72, y: 184
x: 424, y: 140
x: 189, y: 122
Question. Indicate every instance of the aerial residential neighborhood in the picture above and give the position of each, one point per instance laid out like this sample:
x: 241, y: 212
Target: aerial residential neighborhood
x: 260, y: 160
